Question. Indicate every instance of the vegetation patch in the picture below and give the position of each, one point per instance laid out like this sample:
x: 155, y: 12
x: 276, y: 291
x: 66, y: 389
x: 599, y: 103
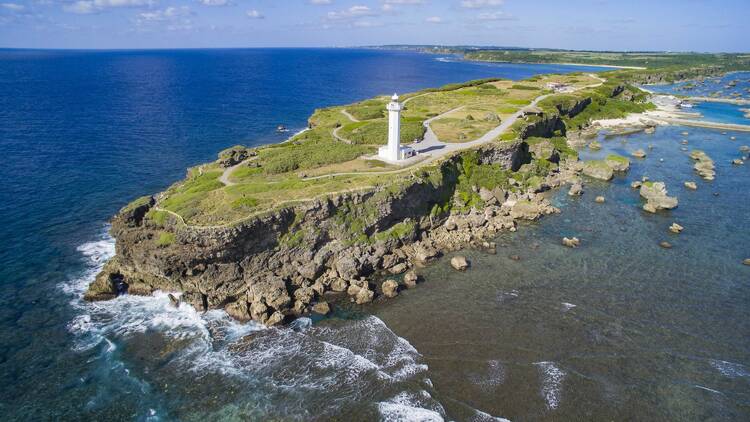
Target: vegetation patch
x: 165, y: 239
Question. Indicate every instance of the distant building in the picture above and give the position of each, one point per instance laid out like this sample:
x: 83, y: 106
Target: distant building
x: 559, y: 87
x: 394, y: 151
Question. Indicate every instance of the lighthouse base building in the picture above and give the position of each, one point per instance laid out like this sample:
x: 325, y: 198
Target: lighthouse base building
x: 394, y: 151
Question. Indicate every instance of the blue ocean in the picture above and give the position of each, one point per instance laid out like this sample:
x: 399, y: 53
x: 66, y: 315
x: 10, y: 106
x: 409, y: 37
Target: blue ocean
x: 623, y: 330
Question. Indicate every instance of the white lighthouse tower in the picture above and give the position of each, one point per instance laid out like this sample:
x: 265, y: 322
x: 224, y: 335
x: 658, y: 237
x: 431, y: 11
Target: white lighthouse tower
x: 394, y: 151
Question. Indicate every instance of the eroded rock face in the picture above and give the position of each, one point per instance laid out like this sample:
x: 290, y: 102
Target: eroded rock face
x: 390, y: 288
x: 250, y: 271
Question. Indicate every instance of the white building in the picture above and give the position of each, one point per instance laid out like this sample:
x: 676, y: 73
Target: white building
x: 394, y: 151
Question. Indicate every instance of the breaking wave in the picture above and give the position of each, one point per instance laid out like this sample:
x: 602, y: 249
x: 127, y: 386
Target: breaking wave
x: 552, y: 378
x: 302, y: 371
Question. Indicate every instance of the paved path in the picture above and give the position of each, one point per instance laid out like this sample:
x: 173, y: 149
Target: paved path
x: 349, y: 116
x: 224, y: 178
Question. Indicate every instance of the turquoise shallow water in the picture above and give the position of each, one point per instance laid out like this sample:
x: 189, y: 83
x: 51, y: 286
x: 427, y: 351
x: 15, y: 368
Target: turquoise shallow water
x: 721, y: 85
x: 617, y: 329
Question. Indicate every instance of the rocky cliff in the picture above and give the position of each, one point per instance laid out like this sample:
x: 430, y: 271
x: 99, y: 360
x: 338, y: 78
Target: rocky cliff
x: 279, y: 265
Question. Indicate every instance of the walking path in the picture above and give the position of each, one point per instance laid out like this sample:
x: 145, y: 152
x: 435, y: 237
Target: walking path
x: 349, y: 116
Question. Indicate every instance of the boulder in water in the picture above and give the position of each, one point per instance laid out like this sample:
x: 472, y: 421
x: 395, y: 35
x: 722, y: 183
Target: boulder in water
x: 617, y: 162
x: 572, y: 242
x: 675, y: 228
x: 746, y: 261
x: 174, y: 300
x: 390, y: 288
x: 598, y: 169
x: 599, y: 200
x: 691, y: 185
x: 639, y: 153
x: 576, y: 189
x: 410, y: 279
x: 322, y: 308
x: 666, y: 245
x: 656, y: 196
x: 737, y: 162
x: 459, y: 263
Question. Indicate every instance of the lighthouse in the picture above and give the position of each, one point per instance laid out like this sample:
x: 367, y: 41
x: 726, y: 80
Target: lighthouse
x: 393, y: 151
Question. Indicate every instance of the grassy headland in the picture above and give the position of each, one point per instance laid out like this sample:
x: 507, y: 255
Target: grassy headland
x: 317, y: 163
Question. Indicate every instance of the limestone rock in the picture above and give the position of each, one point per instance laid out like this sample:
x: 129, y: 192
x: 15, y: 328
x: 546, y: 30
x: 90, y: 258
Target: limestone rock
x: 459, y: 263
x: 425, y: 254
x: 639, y: 153
x: 576, y: 189
x: 525, y: 210
x: 238, y: 310
x: 746, y: 261
x: 636, y: 184
x: 666, y: 245
x: 617, y: 162
x: 737, y: 162
x: 599, y: 199
x: 598, y: 170
x: 364, y: 295
x: 398, y: 268
x: 704, y: 165
x: 339, y: 285
x: 691, y: 185
x: 410, y: 279
x: 595, y: 145
x: 572, y: 242
x: 390, y: 288
x: 675, y: 228
x: 175, y: 301
x: 275, y: 319
x: 656, y: 196
x: 322, y: 308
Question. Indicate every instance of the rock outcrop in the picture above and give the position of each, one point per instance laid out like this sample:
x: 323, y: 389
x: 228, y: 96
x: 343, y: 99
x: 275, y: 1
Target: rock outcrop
x: 284, y: 263
x: 704, y: 165
x: 598, y: 169
x: 656, y: 197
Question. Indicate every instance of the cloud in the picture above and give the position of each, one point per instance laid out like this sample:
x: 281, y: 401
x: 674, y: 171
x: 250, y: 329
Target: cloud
x: 173, y: 18
x: 254, y: 14
x: 14, y: 7
x: 215, y: 2
x: 320, y: 2
x: 366, y: 24
x: 170, y: 13
x: 403, y: 1
x: 495, y: 16
x: 434, y: 19
x: 480, y: 4
x: 96, y: 6
x: 351, y: 13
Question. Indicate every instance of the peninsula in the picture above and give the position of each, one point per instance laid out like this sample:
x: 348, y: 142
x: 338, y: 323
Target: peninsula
x: 277, y: 231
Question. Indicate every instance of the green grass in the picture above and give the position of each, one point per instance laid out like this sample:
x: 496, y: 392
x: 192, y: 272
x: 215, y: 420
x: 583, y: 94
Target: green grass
x: 401, y: 230
x: 617, y: 158
x: 165, y: 239
x: 376, y: 132
x: 524, y: 87
x: 158, y: 217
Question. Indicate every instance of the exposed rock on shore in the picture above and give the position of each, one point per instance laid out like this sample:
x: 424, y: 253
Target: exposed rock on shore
x: 656, y: 197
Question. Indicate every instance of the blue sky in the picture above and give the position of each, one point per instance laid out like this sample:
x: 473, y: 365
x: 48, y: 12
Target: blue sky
x: 694, y: 25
